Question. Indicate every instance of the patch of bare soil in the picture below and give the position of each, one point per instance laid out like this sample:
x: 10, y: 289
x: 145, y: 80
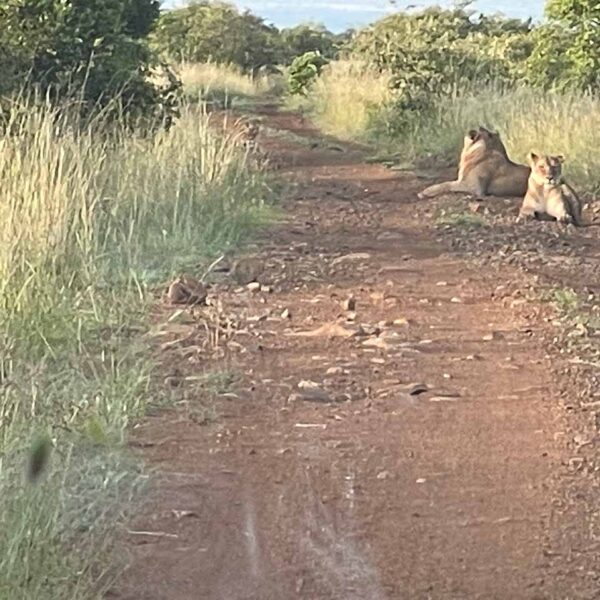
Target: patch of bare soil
x: 395, y: 427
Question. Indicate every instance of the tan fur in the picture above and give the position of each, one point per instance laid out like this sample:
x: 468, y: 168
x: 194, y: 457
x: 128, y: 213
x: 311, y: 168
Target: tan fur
x: 484, y: 169
x: 547, y: 192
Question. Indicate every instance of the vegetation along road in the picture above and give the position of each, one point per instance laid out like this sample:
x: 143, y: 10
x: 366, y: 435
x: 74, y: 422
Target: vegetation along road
x: 250, y: 348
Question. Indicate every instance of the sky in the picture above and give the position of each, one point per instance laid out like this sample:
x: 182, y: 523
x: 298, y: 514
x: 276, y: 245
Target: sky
x: 339, y: 15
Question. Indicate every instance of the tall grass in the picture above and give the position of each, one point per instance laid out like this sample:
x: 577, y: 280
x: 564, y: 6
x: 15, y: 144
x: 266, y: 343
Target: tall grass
x: 344, y: 99
x: 93, y: 220
x: 548, y: 122
x: 215, y: 81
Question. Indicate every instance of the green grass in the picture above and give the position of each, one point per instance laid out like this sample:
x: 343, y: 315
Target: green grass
x: 566, y: 300
x: 464, y: 219
x: 94, y: 223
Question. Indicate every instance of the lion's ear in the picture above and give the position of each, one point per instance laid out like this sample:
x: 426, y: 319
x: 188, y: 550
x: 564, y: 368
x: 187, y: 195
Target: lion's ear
x: 532, y: 157
x: 472, y: 134
x: 560, y: 158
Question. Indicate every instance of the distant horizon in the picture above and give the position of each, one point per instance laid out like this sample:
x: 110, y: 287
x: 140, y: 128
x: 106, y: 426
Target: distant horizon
x: 340, y: 15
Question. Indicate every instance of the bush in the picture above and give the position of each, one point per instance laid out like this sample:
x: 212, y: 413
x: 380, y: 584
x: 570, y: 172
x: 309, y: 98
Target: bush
x: 567, y: 48
x: 91, y: 50
x: 429, y: 54
x: 303, y: 71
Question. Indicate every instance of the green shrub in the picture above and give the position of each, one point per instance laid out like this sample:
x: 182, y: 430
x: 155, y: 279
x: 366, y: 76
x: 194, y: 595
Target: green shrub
x: 303, y: 71
x: 567, y: 47
x: 92, y: 50
x: 431, y: 53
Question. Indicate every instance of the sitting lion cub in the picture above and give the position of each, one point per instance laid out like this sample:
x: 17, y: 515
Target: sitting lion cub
x: 548, y: 193
x: 484, y: 169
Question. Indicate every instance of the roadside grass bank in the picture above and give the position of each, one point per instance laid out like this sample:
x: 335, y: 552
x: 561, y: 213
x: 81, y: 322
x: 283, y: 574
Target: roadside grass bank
x: 95, y: 222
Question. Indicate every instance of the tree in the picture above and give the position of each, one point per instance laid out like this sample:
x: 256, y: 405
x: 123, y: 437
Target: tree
x: 217, y: 31
x: 304, y: 38
x: 576, y: 23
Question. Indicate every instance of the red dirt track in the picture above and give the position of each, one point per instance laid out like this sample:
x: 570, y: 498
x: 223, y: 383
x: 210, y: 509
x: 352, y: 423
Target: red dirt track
x: 360, y: 485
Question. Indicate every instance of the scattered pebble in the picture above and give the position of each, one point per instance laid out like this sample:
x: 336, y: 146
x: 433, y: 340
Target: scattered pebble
x: 349, y: 304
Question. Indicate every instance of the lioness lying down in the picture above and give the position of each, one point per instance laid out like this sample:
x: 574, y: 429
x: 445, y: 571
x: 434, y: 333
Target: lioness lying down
x: 548, y: 193
x: 484, y: 169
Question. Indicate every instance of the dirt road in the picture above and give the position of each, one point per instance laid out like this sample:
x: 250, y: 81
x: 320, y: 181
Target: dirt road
x: 393, y: 430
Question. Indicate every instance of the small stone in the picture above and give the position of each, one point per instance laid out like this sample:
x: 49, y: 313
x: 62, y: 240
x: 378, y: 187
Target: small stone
x: 335, y: 371
x: 383, y: 475
x: 421, y: 480
x: 442, y: 283
x: 254, y: 286
x: 376, y: 342
x: 350, y: 257
x: 495, y: 335
x: 310, y: 392
x: 286, y: 314
x: 349, y: 304
x: 456, y: 300
x: 400, y: 322
x: 266, y: 289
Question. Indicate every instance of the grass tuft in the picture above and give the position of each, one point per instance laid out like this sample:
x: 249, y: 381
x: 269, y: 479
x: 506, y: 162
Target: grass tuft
x: 467, y: 220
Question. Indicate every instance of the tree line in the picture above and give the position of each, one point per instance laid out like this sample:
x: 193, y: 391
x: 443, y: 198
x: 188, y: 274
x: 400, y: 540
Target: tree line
x: 97, y: 50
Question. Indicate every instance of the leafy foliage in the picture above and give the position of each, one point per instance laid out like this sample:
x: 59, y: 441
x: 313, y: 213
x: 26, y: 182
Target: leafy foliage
x: 567, y: 52
x: 430, y: 53
x: 206, y: 31
x: 304, y: 70
x: 94, y: 49
x: 216, y: 31
x: 296, y: 41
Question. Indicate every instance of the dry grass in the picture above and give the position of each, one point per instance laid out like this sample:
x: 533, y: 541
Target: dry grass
x: 220, y: 80
x: 93, y: 220
x: 566, y: 123
x: 342, y: 101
